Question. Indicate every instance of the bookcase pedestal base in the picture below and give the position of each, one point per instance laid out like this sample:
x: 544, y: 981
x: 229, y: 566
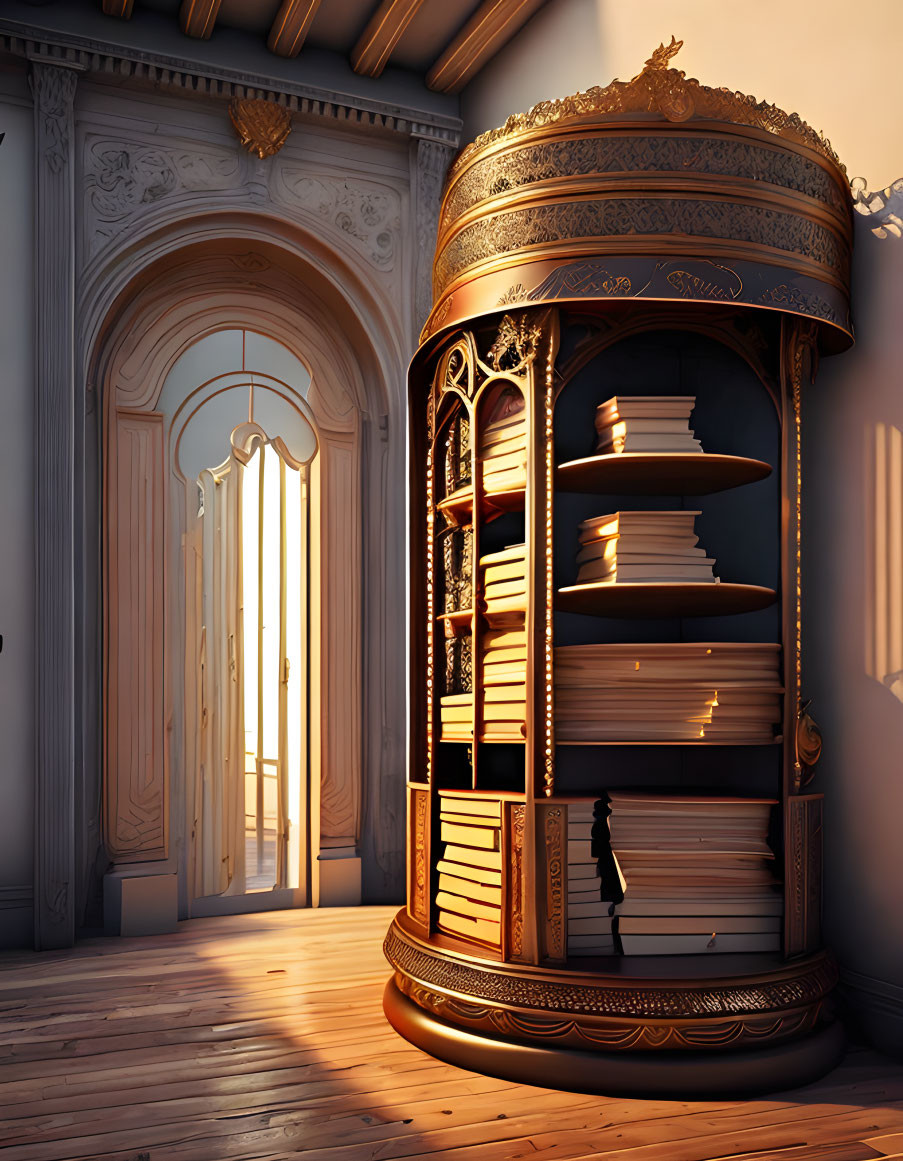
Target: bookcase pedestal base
x: 625, y: 1032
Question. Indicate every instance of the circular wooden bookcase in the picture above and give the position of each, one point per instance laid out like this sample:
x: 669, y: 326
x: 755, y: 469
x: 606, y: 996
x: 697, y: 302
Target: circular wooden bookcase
x: 630, y: 255
x: 670, y: 599
x: 658, y: 474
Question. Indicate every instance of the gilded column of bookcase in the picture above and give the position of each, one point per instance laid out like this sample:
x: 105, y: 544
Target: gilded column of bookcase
x: 419, y: 872
x: 430, y: 597
x: 516, y: 821
x: 551, y: 840
x: 548, y: 772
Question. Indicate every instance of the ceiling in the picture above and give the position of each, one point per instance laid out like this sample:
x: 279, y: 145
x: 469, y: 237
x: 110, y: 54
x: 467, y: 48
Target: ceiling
x: 445, y: 41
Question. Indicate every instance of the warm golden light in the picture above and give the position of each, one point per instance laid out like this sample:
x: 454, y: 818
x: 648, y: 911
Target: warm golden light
x: 884, y: 639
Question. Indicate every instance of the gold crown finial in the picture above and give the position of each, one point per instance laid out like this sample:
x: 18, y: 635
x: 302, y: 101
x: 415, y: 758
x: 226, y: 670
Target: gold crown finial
x: 661, y: 58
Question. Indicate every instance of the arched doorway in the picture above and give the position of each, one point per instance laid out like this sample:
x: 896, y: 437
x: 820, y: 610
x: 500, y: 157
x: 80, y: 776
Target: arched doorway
x: 242, y: 459
x: 157, y: 389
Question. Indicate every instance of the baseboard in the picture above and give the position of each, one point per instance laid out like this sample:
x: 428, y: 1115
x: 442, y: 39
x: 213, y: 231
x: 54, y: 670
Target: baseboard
x: 875, y: 1009
x: 16, y: 917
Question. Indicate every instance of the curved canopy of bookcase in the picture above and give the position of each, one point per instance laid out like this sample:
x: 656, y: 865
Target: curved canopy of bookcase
x: 656, y: 189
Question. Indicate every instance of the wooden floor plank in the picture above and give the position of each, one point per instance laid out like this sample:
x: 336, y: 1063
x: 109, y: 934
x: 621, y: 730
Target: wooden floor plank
x: 262, y: 1037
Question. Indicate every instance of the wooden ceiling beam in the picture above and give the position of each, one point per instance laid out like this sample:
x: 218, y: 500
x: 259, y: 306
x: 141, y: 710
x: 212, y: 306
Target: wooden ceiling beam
x: 120, y: 8
x: 386, y: 27
x: 491, y: 26
x: 197, y: 17
x: 291, y: 26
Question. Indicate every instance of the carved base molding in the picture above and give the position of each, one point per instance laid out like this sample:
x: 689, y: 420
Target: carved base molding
x: 873, y: 1009
x: 662, y: 1074
x: 624, y: 1013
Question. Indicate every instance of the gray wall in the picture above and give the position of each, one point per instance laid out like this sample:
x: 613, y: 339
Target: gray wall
x: 16, y: 514
x: 853, y: 633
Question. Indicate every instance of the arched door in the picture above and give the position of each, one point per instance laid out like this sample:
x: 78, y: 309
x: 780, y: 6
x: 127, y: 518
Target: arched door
x: 212, y: 563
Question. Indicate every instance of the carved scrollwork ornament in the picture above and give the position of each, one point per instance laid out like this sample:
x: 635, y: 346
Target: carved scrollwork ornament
x: 882, y: 208
x: 808, y: 743
x: 516, y: 344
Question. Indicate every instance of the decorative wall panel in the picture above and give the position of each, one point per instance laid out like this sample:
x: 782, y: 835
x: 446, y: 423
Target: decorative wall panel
x: 135, y: 814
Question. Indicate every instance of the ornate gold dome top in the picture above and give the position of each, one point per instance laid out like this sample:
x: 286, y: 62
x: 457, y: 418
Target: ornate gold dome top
x: 659, y: 89
x: 656, y: 189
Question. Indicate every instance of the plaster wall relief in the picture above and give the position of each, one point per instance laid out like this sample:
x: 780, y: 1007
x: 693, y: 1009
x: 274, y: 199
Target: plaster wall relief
x: 123, y: 179
x: 140, y: 184
x: 367, y: 214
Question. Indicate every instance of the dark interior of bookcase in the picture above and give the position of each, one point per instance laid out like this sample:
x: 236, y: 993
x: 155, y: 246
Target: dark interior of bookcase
x: 739, y: 527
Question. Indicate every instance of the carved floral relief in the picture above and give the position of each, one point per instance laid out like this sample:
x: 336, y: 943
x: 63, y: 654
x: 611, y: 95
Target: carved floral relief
x: 367, y: 214
x: 124, y: 179
x: 121, y: 178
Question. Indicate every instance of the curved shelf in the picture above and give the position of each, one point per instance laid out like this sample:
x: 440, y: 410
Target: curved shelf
x: 659, y: 473
x: 671, y: 742
x: 459, y: 622
x: 668, y: 599
x: 458, y: 507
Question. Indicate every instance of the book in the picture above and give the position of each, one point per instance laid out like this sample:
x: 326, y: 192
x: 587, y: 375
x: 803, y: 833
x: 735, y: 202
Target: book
x: 503, y: 572
x: 769, y: 902
x: 747, y: 942
x: 682, y: 691
x: 492, y: 860
x: 626, y: 441
x: 677, y: 571
x: 464, y: 906
x: 505, y: 556
x: 697, y: 924
x: 486, y: 838
x: 644, y: 406
x: 470, y: 890
x: 487, y: 876
x: 479, y: 929
x: 639, y: 547
x: 471, y: 805
x: 674, y: 523
x: 699, y: 873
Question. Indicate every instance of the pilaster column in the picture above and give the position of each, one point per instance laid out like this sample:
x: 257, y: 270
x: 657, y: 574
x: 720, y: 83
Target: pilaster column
x: 431, y: 160
x: 53, y: 87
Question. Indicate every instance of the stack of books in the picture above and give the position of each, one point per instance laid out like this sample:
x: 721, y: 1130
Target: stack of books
x: 698, y: 875
x: 642, y: 547
x: 505, y: 684
x: 469, y: 894
x: 503, y: 452
x: 684, y: 691
x: 505, y: 584
x: 589, y: 917
x: 456, y: 717
x: 645, y: 423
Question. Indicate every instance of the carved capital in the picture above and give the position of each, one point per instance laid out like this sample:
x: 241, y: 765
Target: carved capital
x: 53, y: 89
